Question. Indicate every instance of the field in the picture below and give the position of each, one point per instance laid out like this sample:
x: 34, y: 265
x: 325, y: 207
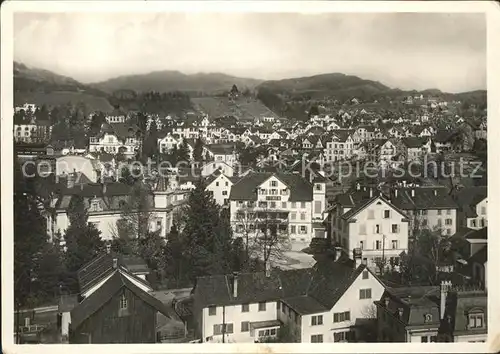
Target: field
x: 243, y: 108
x: 94, y: 103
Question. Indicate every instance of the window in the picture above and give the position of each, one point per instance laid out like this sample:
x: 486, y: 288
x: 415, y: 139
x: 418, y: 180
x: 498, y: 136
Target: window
x: 317, y: 338
x: 317, y: 207
x: 483, y: 210
x: 216, y: 184
x: 371, y: 214
x: 448, y: 212
x: 448, y: 222
x: 387, y: 214
x: 303, y: 229
x: 123, y: 302
x: 433, y: 339
x: 317, y: 186
x: 423, y: 339
x: 262, y: 306
x: 476, y: 320
x: 245, y: 326
x: 365, y: 274
x: 262, y: 204
x: 293, y: 229
x: 303, y: 205
x: 394, y: 228
x: 274, y: 183
x: 448, y: 231
x: 424, y: 212
x: 439, y: 222
x: 365, y: 294
x: 229, y: 328
x: 377, y: 245
x: 293, y: 216
x: 316, y: 320
x: 212, y: 310
x: 294, y: 205
x: 361, y: 244
x: 377, y: 229
x: 439, y: 212
x: 394, y: 244
x: 362, y: 229
x: 427, y: 318
x: 273, y: 205
x: 283, y: 205
x: 245, y: 308
x: 302, y: 216
x: 342, y: 316
x: 224, y: 192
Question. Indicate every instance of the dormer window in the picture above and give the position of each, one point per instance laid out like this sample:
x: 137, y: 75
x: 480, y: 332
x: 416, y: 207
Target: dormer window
x: 274, y: 183
x: 95, y: 205
x: 317, y: 186
x: 123, y: 302
x: 476, y: 319
x: 427, y: 318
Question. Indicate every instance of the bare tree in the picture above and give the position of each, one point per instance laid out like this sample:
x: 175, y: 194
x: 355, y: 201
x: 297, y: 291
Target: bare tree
x: 265, y: 233
x: 369, y: 311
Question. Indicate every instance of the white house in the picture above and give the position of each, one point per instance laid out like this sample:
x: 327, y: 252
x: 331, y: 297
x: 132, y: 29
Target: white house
x: 220, y: 187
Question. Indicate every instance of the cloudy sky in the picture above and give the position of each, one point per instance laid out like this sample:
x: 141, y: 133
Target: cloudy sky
x: 405, y: 50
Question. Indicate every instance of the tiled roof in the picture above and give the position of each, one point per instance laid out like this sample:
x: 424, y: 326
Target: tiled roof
x: 221, y: 149
x: 343, y: 134
x: 103, y: 294
x: 460, y: 304
x: 481, y: 234
x: 307, y: 291
x: 359, y: 207
x: 468, y: 197
x: 246, y: 188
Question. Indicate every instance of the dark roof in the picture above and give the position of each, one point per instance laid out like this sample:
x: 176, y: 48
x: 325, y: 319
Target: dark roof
x: 358, y: 208
x: 307, y: 291
x: 246, y: 187
x: 480, y: 256
x: 101, y: 266
x: 424, y: 198
x: 413, y: 143
x: 460, y: 304
x: 468, y: 197
x: 104, y: 293
x: 221, y: 149
x: 481, y: 234
x: 342, y: 134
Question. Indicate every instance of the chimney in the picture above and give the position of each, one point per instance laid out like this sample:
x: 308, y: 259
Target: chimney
x: 445, y: 288
x: 108, y: 248
x: 338, y: 253
x: 395, y: 193
x: 356, y: 255
x: 413, y: 192
x: 115, y: 263
x: 268, y: 269
x: 400, y: 312
x: 70, y: 180
x: 435, y: 192
x: 235, y: 284
x: 371, y: 192
x: 358, y: 186
x: 386, y: 301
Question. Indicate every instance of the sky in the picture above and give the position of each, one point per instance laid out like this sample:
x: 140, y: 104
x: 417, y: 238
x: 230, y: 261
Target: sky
x: 401, y: 50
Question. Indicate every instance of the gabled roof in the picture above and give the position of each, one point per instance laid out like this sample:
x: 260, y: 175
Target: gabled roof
x: 423, y: 199
x: 413, y: 142
x: 343, y: 134
x: 221, y: 149
x: 460, y: 304
x: 481, y: 234
x: 360, y: 207
x: 103, y: 294
x: 246, y: 188
x: 468, y: 197
x: 307, y: 291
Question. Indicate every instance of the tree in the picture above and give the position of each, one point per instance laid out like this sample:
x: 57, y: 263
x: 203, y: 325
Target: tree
x: 183, y: 152
x: 198, y: 150
x: 173, y: 252
x: 150, y: 148
x: 136, y: 213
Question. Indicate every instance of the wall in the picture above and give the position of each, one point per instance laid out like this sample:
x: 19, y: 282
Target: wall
x: 480, y: 216
x: 107, y: 326
x: 350, y: 301
x: 221, y: 191
x: 234, y: 315
x: 370, y: 236
x: 471, y: 338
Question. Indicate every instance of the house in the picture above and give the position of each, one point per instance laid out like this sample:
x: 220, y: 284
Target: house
x: 284, y: 197
x: 167, y: 143
x: 385, y: 153
x: 325, y: 303
x: 429, y: 208
x: 465, y: 316
x: 118, y: 311
x: 219, y: 185
x: 472, y: 206
x: 210, y: 167
x: 341, y: 145
x: 363, y: 133
x: 370, y: 222
x: 221, y: 153
x: 414, y: 148
x: 116, y: 138
x: 80, y: 165
x: 409, y: 314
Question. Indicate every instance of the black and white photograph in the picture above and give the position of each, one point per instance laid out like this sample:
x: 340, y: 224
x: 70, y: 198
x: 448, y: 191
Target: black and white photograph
x: 196, y: 177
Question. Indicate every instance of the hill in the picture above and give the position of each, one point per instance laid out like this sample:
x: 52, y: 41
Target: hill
x: 41, y: 87
x: 167, y: 81
x: 243, y: 108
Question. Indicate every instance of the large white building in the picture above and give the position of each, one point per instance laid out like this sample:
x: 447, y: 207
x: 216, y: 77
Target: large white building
x: 115, y: 138
x: 325, y: 303
x: 285, y: 197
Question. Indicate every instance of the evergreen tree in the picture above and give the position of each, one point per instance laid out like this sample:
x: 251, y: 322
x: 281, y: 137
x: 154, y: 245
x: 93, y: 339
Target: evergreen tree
x: 183, y: 152
x: 136, y: 214
x: 198, y: 150
x: 83, y: 240
x: 150, y: 148
x: 174, y: 255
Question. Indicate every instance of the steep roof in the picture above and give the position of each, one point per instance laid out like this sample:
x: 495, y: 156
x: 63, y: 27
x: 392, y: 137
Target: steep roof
x: 358, y: 208
x: 423, y: 199
x: 307, y: 291
x: 413, y: 142
x: 342, y: 134
x: 246, y: 187
x: 468, y: 197
x: 106, y: 292
x: 459, y: 306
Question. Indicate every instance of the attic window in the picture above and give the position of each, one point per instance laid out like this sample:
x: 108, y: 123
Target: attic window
x: 427, y: 318
x: 476, y: 319
x: 123, y: 302
x: 379, y: 203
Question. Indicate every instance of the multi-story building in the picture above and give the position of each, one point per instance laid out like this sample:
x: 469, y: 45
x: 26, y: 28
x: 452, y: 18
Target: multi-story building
x: 369, y: 222
x: 116, y: 138
x: 37, y: 132
x: 167, y: 143
x: 220, y: 187
x: 472, y: 206
x: 341, y: 146
x: 287, y: 197
x: 221, y: 153
x: 325, y: 303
